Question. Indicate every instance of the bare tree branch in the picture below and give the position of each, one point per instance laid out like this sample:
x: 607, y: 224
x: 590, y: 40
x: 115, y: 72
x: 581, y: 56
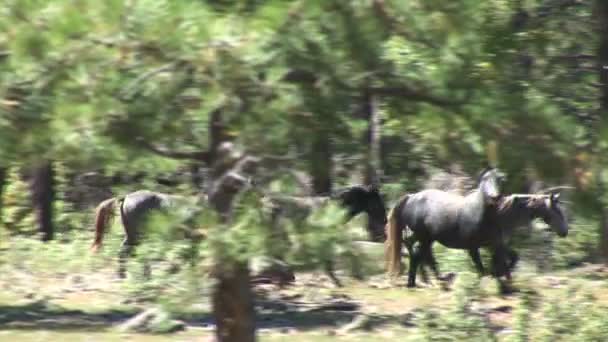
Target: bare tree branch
x: 550, y: 6
x: 164, y: 152
x: 131, y: 89
x: 576, y: 57
x: 394, y: 24
x: 417, y: 95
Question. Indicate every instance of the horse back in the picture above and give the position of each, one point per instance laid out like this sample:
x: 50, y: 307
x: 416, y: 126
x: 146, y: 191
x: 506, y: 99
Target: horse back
x: 432, y: 211
x: 444, y: 217
x: 137, y: 205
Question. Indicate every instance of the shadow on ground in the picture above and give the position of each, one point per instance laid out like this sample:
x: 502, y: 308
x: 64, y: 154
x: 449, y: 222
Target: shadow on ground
x: 42, y: 315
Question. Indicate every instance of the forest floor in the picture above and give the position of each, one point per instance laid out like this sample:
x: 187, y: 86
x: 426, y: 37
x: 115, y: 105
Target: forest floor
x: 90, y: 304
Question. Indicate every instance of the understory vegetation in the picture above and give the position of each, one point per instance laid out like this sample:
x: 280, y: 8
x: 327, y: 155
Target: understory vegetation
x: 231, y: 103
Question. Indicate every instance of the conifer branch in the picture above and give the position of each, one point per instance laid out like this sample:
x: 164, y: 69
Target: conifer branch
x: 165, y: 152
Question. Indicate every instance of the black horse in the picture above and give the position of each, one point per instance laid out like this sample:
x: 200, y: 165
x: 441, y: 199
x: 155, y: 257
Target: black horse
x: 515, y: 211
x: 135, y: 210
x: 354, y: 199
x: 433, y: 215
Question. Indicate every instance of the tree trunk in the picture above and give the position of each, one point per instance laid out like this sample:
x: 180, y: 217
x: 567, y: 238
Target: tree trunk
x: 232, y: 298
x: 3, y: 175
x: 233, y: 306
x: 601, y: 9
x: 321, y: 163
x: 42, y: 189
x: 604, y: 234
x: 217, y: 133
x: 373, y: 168
x: 233, y: 303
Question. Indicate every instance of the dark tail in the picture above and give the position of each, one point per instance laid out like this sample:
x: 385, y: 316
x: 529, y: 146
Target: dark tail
x: 394, y: 239
x: 103, y: 215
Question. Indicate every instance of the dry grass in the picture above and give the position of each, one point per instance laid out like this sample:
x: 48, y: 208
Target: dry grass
x: 84, y: 302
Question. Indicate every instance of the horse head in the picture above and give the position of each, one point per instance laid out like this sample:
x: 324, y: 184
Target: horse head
x: 554, y: 216
x: 376, y: 209
x: 358, y: 199
x: 490, y: 181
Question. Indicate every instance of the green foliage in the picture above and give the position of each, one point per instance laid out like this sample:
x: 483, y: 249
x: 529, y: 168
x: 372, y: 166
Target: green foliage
x: 579, y: 318
x: 66, y: 218
x: 522, y: 319
x: 462, y: 321
x: 244, y: 236
x: 17, y: 213
x: 579, y: 246
x: 92, y: 85
x: 321, y: 237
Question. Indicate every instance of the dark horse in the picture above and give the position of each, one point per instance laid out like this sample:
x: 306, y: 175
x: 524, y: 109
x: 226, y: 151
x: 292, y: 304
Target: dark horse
x: 433, y: 215
x: 135, y: 210
x: 515, y: 211
x: 354, y: 199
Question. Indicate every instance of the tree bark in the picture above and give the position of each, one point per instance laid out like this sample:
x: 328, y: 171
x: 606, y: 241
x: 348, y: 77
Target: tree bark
x: 233, y: 303
x: 43, y: 193
x: 232, y: 299
x: 233, y: 306
x: 373, y: 168
x: 3, y: 175
x: 217, y: 133
x: 601, y: 13
x: 321, y: 163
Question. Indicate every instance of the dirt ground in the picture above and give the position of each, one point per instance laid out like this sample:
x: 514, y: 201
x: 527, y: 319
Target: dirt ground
x: 90, y: 306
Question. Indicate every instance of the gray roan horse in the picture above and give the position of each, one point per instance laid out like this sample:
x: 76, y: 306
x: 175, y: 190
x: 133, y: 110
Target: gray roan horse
x: 135, y: 209
x: 354, y: 199
x: 515, y: 211
x: 453, y: 220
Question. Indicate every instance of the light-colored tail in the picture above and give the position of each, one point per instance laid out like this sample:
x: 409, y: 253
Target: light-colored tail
x: 394, y: 239
x: 104, y: 213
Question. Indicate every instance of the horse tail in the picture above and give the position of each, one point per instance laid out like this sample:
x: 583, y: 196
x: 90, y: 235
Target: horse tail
x: 104, y: 213
x: 394, y: 239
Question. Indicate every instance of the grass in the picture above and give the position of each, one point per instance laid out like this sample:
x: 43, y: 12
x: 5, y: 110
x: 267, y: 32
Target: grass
x: 60, y: 292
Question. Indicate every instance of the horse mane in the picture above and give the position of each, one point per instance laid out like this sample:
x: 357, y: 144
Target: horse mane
x: 533, y: 201
x: 483, y: 172
x: 357, y: 187
x: 506, y: 203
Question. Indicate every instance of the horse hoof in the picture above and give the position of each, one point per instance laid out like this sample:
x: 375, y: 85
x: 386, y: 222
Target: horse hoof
x: 411, y: 286
x: 507, y: 290
x: 448, y: 278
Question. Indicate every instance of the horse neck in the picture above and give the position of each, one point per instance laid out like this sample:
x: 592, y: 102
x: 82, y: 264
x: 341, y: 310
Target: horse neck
x: 167, y: 200
x: 512, y: 216
x: 475, y: 202
x: 536, y: 210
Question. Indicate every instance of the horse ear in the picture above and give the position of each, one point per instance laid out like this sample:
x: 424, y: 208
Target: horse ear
x: 555, y: 197
x: 487, y: 168
x: 373, y: 188
x: 518, y: 200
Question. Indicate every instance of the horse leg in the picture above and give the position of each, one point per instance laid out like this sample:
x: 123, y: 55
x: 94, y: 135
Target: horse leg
x: 127, y: 248
x: 433, y: 264
x: 415, y: 256
x: 499, y: 264
x: 513, y: 259
x: 329, y: 271
x: 409, y: 245
x: 147, y: 270
x: 424, y: 274
x: 126, y: 251
x: 513, y: 256
x: 501, y: 268
x: 430, y: 259
x: 474, y: 254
